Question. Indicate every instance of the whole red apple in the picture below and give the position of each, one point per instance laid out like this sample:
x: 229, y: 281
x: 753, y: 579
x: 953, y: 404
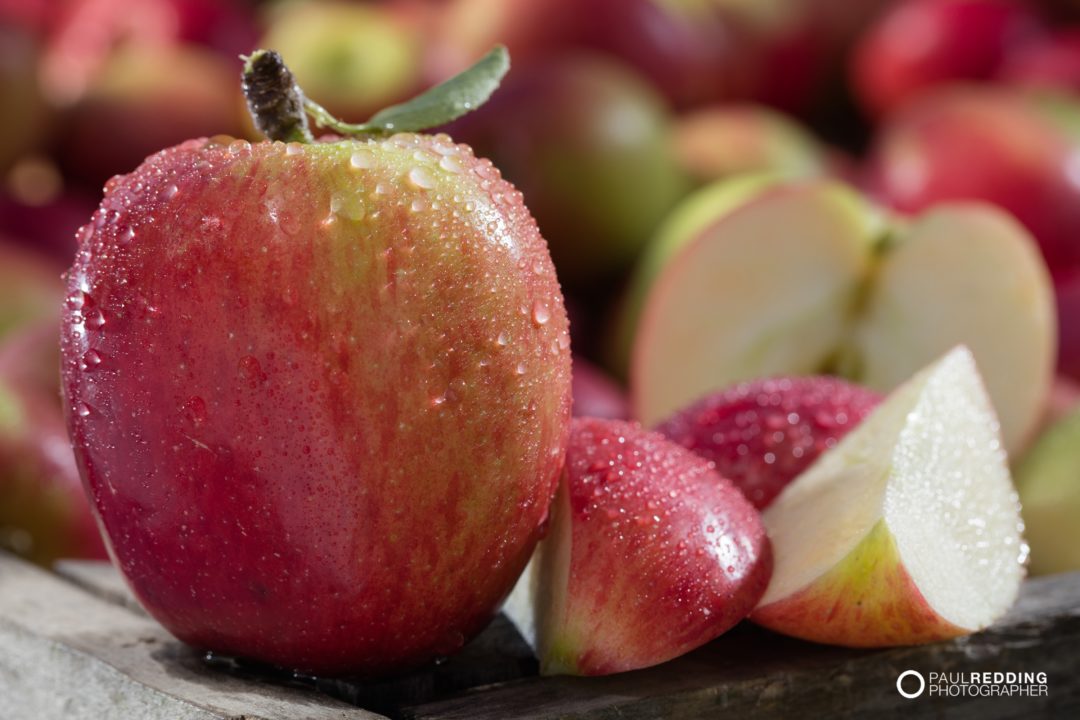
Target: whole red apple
x: 319, y: 392
x: 994, y: 144
x: 919, y: 44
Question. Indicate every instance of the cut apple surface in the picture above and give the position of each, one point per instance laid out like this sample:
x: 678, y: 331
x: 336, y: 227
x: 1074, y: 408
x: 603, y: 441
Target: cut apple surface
x: 809, y: 278
x: 770, y: 288
x: 965, y: 273
x: 650, y: 553
x: 909, y: 530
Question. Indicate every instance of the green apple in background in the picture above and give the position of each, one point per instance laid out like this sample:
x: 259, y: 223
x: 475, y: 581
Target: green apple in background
x: 588, y: 143
x: 352, y: 58
x: 807, y: 277
x: 1048, y: 479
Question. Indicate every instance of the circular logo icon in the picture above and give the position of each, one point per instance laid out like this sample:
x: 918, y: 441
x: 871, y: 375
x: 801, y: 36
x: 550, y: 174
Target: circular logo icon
x: 900, y: 684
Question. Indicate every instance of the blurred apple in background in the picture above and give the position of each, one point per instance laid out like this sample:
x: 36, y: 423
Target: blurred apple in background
x: 82, y: 35
x: 30, y: 288
x: 588, y: 143
x: 1067, y: 288
x: 352, y: 58
x: 919, y: 44
x: 152, y: 97
x: 41, y: 210
x: 724, y: 140
x: 44, y: 513
x: 1052, y: 62
x: 595, y: 394
x: 1018, y: 151
x: 25, y: 115
x: 709, y: 50
x: 532, y: 30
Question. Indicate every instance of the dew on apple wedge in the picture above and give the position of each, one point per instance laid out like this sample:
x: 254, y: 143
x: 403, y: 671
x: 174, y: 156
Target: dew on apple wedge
x: 650, y: 554
x: 909, y: 530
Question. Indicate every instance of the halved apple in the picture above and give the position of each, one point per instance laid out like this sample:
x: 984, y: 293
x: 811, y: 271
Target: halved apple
x: 809, y: 278
x: 909, y: 530
x: 768, y: 288
x: 964, y: 273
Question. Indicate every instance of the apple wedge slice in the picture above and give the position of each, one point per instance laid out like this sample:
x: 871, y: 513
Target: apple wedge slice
x: 649, y: 554
x: 908, y: 531
x: 964, y: 274
x: 769, y: 288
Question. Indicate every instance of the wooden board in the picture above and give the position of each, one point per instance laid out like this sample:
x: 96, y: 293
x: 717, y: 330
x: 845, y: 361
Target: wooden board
x: 76, y: 645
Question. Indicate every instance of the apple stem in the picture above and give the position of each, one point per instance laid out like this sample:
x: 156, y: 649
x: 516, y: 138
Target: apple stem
x: 275, y: 101
x: 280, y: 109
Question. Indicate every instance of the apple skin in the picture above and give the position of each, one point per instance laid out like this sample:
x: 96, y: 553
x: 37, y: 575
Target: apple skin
x: 153, y: 97
x: 664, y: 554
x: 588, y: 143
x: 996, y: 145
x: 919, y: 44
x: 793, y: 420
x: 868, y: 598
x: 320, y: 395
x: 596, y: 394
x: 44, y: 512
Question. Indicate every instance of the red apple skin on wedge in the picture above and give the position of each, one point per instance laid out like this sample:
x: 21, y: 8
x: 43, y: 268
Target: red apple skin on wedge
x: 762, y: 434
x: 664, y: 554
x: 869, y: 600
x: 319, y: 393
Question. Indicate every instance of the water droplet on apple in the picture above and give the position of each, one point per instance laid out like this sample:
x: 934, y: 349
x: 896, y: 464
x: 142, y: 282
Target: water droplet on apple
x: 170, y: 192
x: 90, y: 360
x: 540, y: 313
x: 95, y: 319
x: 421, y: 178
x: 362, y: 159
x: 503, y: 340
x: 450, y: 164
x: 83, y: 410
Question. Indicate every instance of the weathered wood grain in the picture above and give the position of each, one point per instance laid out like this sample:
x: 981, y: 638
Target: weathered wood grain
x: 748, y: 673
x: 67, y: 654
x: 751, y: 673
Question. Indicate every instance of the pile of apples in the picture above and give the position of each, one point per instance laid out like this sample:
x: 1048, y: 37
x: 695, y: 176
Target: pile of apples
x: 818, y: 263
